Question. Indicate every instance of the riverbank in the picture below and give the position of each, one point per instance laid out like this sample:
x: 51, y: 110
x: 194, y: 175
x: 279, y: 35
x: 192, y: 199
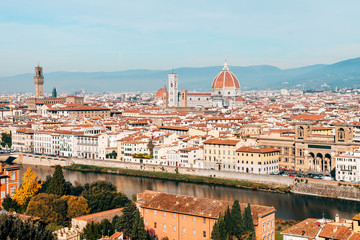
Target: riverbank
x: 179, y: 177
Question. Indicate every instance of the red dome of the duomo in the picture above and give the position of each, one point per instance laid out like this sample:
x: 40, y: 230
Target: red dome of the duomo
x: 225, y: 79
x: 160, y: 92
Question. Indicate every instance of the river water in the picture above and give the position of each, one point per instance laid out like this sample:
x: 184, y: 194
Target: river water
x: 288, y: 206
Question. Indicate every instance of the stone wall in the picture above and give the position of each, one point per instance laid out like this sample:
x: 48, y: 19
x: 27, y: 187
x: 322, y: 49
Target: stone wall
x: 327, y: 189
x: 268, y: 179
x: 42, y: 160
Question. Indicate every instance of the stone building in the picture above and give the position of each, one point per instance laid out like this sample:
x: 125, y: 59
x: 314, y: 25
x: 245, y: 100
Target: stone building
x: 225, y: 92
x: 308, y: 151
x: 40, y: 100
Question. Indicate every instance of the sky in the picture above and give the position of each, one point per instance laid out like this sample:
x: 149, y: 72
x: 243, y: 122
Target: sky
x: 91, y: 36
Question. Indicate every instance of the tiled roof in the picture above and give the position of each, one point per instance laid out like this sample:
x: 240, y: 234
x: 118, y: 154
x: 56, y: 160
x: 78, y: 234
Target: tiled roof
x: 257, y: 149
x: 196, y: 206
x: 308, y: 228
x: 222, y: 142
x: 98, y: 217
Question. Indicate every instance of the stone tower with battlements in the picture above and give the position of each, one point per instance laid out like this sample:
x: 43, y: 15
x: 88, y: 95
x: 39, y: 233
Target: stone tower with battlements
x: 39, y: 82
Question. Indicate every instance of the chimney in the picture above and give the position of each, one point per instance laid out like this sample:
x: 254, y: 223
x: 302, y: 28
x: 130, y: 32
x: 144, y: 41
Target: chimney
x: 337, y: 219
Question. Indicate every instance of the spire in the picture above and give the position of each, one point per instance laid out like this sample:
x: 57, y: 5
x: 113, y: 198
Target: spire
x: 164, y: 86
x: 38, y: 64
x: 226, y: 68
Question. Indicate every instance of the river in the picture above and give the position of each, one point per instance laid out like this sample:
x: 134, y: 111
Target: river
x: 288, y: 206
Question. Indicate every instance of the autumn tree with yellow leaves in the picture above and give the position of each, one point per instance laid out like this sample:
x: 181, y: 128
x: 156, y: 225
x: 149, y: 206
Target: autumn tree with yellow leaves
x: 29, y: 188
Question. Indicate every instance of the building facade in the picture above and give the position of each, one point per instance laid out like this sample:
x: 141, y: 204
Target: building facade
x: 184, y: 217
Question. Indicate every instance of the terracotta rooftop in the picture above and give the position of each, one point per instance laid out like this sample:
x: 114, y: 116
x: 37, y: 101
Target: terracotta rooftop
x: 98, y: 217
x: 257, y: 149
x: 308, y: 228
x: 222, y: 142
x: 196, y: 206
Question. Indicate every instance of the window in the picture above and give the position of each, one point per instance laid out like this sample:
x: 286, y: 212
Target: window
x: 3, y: 194
x: 183, y: 217
x: 12, y: 190
x: 193, y: 219
x: 145, y: 223
x: 164, y: 227
x: 204, y: 234
x: 13, y: 174
x: 154, y: 212
x: 154, y: 224
x: 204, y: 220
x: 164, y: 214
x: 184, y: 230
x: 174, y: 215
x: 145, y: 211
x: 194, y: 232
x: 174, y: 228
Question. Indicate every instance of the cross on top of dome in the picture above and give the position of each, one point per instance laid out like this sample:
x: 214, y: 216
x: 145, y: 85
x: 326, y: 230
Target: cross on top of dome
x: 225, y: 68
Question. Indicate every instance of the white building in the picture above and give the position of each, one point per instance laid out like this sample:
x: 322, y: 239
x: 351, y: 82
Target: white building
x: 190, y: 157
x: 348, y: 166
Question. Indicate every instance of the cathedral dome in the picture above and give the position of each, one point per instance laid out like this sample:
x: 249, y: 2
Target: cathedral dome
x: 159, y: 93
x: 225, y: 79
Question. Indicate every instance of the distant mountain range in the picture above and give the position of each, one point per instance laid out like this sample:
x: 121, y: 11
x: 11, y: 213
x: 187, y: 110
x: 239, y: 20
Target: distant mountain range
x: 341, y: 74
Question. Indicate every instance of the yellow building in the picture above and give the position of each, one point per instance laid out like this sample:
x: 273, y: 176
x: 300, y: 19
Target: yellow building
x: 257, y: 159
x: 219, y: 154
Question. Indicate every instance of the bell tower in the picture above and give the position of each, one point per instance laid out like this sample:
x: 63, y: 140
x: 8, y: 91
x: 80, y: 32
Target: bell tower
x: 38, y: 81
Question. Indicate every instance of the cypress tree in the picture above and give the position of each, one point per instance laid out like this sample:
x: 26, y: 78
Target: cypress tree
x: 127, y: 219
x: 249, y: 222
x: 228, y: 221
x: 237, y: 220
x: 57, y: 184
x: 220, y: 231
x: 138, y: 231
x: 215, y: 233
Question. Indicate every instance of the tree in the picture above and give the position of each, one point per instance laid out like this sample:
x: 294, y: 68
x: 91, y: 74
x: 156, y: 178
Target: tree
x: 28, y: 189
x: 236, y: 220
x: 151, y: 146
x: 6, y: 139
x: 57, y: 184
x: 50, y: 208
x: 12, y: 227
x: 76, y: 206
x: 45, y: 184
x: 94, y: 231
x: 113, y: 155
x: 138, y: 231
x: 249, y: 228
x: 127, y: 219
x: 219, y: 231
x: 102, y: 196
x: 9, y: 204
x: 151, y: 235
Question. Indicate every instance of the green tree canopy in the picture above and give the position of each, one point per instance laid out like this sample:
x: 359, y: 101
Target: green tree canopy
x: 94, y: 231
x: 12, y: 227
x: 57, y: 184
x: 234, y: 225
x: 102, y: 196
x: 127, y: 220
x: 50, y: 208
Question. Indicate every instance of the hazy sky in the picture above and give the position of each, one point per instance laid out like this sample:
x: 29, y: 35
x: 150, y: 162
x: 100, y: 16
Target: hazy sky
x: 118, y: 35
